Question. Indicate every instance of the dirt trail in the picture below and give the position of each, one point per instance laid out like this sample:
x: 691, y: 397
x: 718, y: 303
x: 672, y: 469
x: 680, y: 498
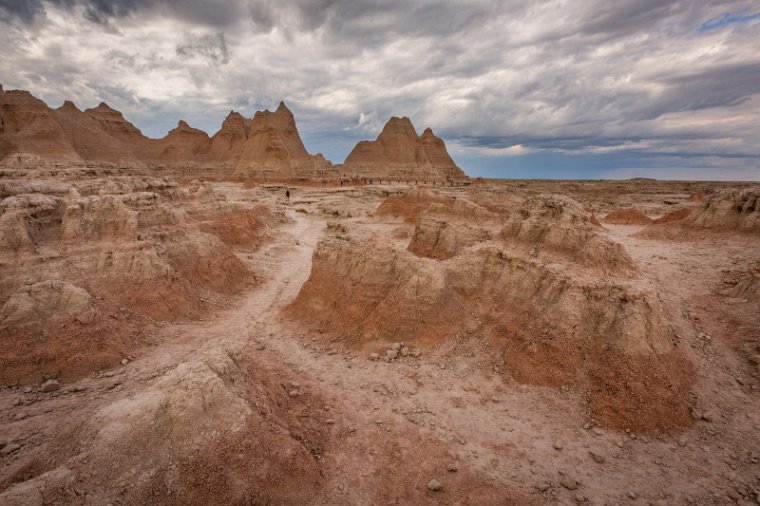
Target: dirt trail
x: 33, y: 419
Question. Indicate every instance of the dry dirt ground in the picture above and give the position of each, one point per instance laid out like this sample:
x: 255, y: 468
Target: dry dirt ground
x: 255, y: 402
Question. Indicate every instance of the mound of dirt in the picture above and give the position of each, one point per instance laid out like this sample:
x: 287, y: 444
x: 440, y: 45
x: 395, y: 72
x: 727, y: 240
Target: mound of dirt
x: 627, y: 217
x: 238, y: 227
x: 557, y: 228
x: 221, y: 428
x: 442, y: 239
x: 119, y: 248
x: 745, y: 284
x: 551, y: 327
x: 673, y: 216
x: 550, y: 227
x: 412, y: 203
x: 697, y: 197
x: 729, y: 209
x: 45, y: 301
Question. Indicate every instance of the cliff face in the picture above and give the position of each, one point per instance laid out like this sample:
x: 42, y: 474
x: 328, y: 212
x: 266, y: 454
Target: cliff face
x: 30, y: 127
x: 399, y: 152
x: 269, y: 141
x: 266, y: 145
x: 113, y: 123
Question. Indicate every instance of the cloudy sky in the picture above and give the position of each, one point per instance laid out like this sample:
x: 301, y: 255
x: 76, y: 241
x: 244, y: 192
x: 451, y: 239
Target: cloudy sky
x: 554, y: 89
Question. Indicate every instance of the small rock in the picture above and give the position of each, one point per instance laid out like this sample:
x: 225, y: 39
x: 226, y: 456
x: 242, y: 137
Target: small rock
x: 599, y: 459
x: 396, y: 346
x: 391, y: 354
x: 709, y: 416
x: 416, y: 353
x: 581, y: 498
x: 682, y: 441
x: 405, y: 352
x: 587, y: 426
x: 124, y: 361
x: 632, y: 494
x: 27, y: 390
x: 374, y: 356
x: 452, y: 468
x: 19, y: 416
x: 11, y: 448
x: 51, y: 385
x: 434, y: 485
x: 569, y: 483
x: 294, y: 393
x: 557, y: 446
x: 329, y: 421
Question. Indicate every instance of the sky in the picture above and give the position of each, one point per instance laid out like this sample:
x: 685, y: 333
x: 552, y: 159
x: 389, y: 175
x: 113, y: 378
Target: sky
x: 582, y: 89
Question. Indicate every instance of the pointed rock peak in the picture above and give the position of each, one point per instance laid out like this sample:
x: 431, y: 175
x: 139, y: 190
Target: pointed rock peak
x: 400, y: 121
x: 283, y: 109
x: 234, y: 116
x: 428, y: 134
x: 399, y: 126
x: 182, y: 125
x: 2, y: 91
x: 105, y: 107
x: 68, y: 106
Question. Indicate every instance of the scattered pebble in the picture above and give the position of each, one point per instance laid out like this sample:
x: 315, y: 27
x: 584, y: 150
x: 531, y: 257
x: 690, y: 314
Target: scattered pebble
x: 51, y: 385
x: 434, y: 485
x: 569, y: 483
x: 452, y: 468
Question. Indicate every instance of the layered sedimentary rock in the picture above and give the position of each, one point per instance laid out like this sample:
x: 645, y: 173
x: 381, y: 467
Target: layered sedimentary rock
x: 28, y: 126
x: 182, y: 144
x: 398, y: 152
x: 267, y: 145
x: 559, y: 301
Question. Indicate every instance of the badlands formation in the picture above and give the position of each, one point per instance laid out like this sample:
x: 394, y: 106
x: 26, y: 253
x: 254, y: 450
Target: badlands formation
x: 174, y: 330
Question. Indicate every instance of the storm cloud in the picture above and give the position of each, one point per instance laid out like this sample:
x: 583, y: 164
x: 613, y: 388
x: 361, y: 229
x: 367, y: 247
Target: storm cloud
x: 580, y: 89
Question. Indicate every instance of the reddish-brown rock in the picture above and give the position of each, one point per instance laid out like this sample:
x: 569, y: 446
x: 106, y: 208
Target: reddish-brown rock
x: 398, y: 152
x: 267, y: 145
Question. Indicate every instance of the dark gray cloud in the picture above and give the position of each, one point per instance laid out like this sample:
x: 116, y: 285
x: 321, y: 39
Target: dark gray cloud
x: 212, y: 47
x: 496, y: 79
